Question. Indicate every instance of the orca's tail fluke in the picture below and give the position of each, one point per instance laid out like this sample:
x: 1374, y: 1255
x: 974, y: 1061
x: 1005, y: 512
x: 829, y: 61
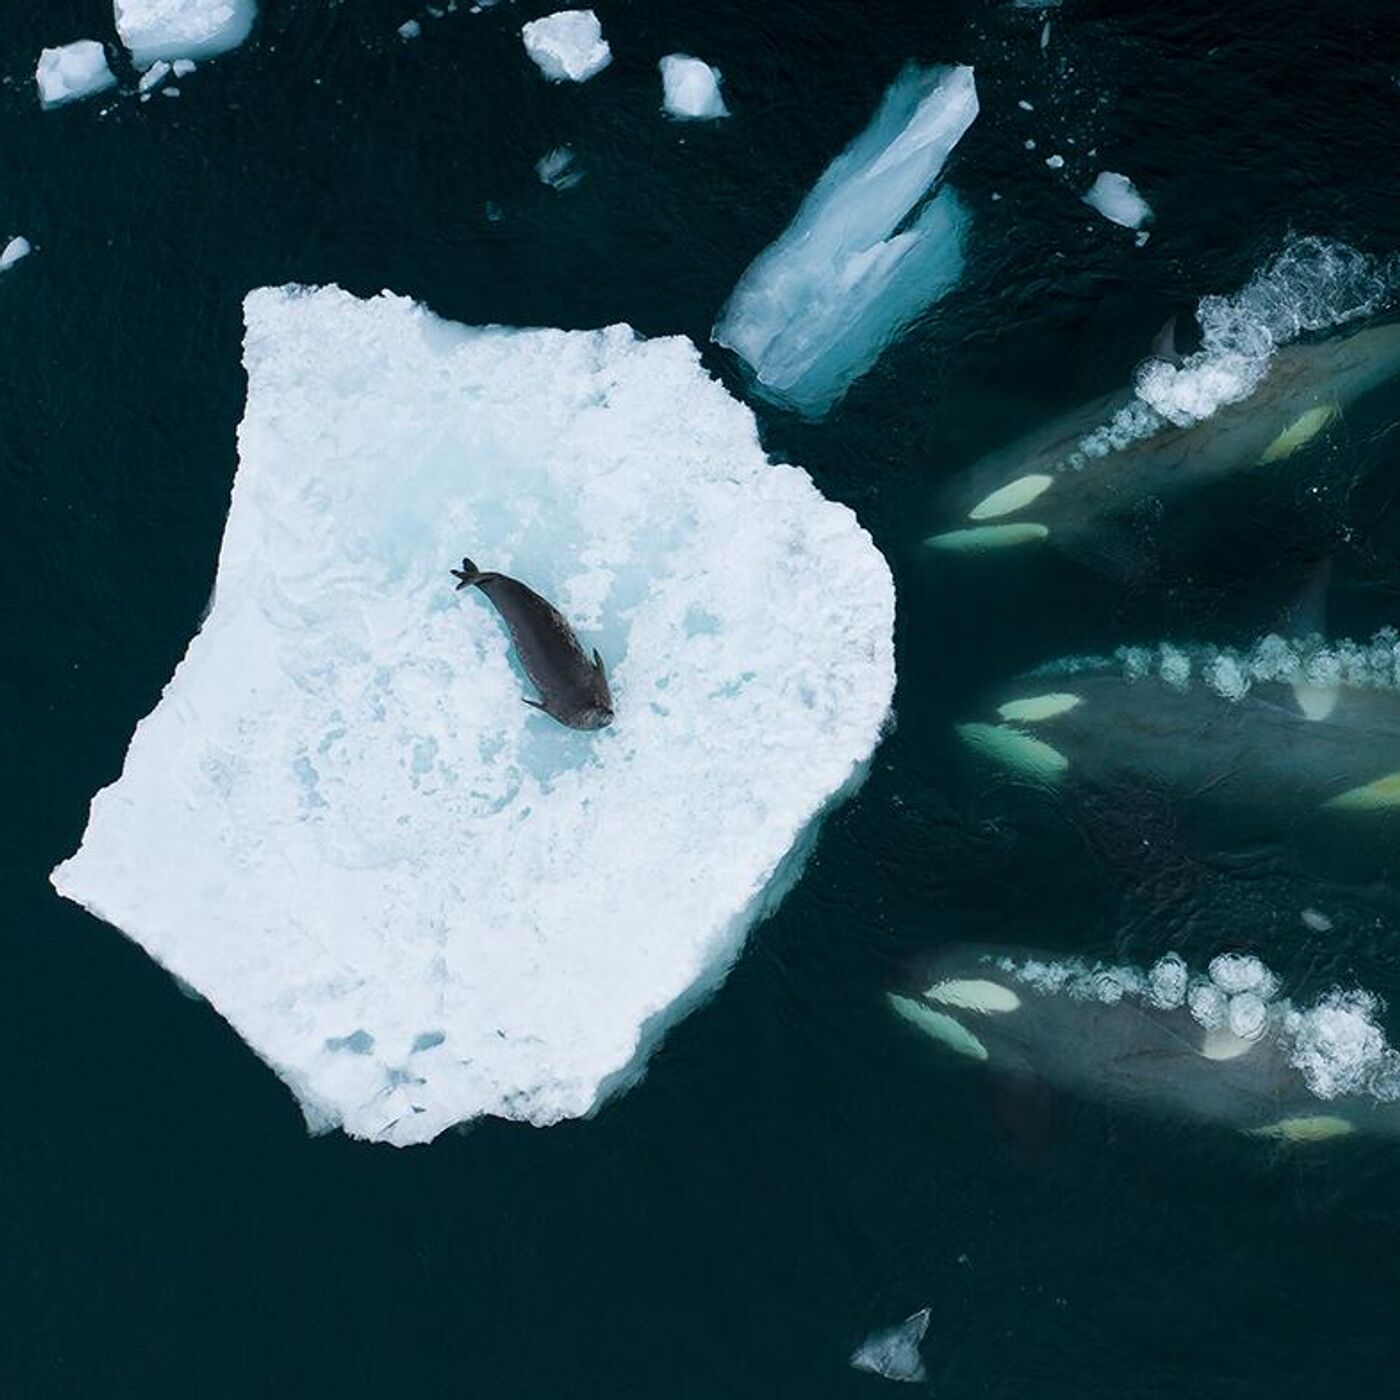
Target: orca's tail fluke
x: 467, y: 574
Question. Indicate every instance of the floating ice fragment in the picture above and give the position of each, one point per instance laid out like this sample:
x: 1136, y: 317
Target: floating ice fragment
x: 567, y: 45
x: 154, y: 29
x: 1055, y: 162
x: 410, y: 29
x: 557, y: 170
x: 154, y: 75
x: 17, y: 248
x: 1317, y: 921
x: 72, y: 71
x: 690, y: 88
x: 857, y: 264
x: 341, y: 819
x: 1114, y: 196
x: 894, y: 1353
x: 183, y: 67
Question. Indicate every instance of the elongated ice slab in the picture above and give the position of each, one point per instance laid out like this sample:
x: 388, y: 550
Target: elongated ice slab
x: 72, y: 71
x: 867, y: 252
x: 568, y: 45
x: 418, y: 899
x: 155, y: 29
x: 690, y: 88
x: 894, y: 1353
x: 1116, y: 198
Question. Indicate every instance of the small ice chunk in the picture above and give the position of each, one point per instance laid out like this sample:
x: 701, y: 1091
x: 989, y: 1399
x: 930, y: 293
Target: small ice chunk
x: 1025, y: 106
x: 340, y: 823
x: 1316, y: 920
x: 866, y: 253
x: 1055, y: 162
x: 72, y: 71
x: 1114, y: 196
x: 154, y: 29
x: 1030, y: 143
x: 184, y: 67
x: 410, y: 29
x: 690, y: 88
x: 154, y: 75
x: 557, y: 170
x: 17, y: 248
x: 894, y: 1353
x: 567, y: 45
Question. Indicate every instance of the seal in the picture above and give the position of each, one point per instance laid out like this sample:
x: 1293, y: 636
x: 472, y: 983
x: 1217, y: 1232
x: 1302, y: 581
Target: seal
x: 573, y: 689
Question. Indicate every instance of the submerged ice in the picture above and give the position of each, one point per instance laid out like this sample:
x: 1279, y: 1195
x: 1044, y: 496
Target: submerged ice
x: 416, y: 898
x: 867, y: 252
x: 894, y: 1353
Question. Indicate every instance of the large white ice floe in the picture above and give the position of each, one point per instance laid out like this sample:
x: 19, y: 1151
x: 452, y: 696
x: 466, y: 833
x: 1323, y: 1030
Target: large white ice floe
x: 867, y: 252
x: 72, y: 71
x: 568, y: 45
x: 418, y: 899
x: 690, y: 88
x: 169, y: 29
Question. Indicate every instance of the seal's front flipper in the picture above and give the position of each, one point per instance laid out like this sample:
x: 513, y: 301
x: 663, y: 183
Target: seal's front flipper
x: 598, y: 664
x: 534, y: 704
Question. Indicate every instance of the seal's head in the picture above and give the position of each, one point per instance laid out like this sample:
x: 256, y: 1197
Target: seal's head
x: 594, y: 717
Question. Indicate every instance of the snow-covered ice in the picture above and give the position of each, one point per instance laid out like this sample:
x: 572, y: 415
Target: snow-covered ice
x: 154, y: 29
x: 815, y: 309
x: 690, y: 88
x: 1116, y: 198
x: 567, y: 45
x: 418, y: 899
x: 72, y: 71
x: 17, y: 248
x: 894, y: 1352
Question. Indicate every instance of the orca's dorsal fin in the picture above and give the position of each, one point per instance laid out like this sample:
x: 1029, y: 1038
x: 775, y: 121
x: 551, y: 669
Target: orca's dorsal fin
x: 1306, y: 615
x: 1164, y: 344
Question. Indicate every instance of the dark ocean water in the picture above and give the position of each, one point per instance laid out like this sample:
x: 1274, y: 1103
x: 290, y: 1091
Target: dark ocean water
x: 794, y: 1170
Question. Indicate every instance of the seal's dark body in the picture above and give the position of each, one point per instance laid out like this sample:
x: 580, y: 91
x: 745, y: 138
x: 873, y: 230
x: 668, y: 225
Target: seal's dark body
x: 573, y: 689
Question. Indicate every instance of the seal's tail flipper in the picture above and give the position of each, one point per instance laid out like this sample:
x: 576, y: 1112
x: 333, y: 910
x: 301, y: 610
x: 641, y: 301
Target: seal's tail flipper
x: 468, y: 573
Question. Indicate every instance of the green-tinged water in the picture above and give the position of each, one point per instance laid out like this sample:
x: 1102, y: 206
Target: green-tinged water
x: 798, y: 1168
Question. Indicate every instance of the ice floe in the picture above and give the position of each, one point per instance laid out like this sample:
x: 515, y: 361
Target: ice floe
x: 1116, y: 198
x: 567, y: 45
x: 894, y: 1353
x: 867, y: 252
x: 18, y: 247
x: 71, y: 71
x: 416, y: 898
x: 690, y: 88
x: 155, y: 29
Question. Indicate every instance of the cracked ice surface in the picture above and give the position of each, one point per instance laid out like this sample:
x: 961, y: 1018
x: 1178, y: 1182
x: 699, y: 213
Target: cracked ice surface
x: 417, y: 899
